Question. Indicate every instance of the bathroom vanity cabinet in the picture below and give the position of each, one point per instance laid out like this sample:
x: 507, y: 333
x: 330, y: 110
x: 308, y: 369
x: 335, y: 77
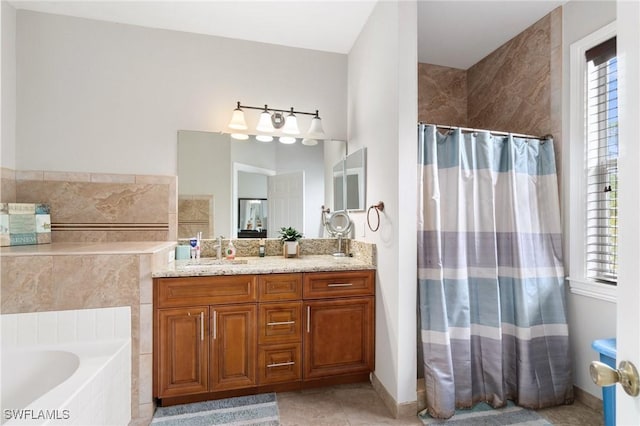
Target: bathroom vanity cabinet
x: 219, y: 336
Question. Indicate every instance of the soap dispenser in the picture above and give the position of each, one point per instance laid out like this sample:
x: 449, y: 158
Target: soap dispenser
x: 231, y: 251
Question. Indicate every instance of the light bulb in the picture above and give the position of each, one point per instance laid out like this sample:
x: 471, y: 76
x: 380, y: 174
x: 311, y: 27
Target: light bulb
x: 237, y: 119
x: 315, y: 130
x: 309, y: 142
x: 291, y: 125
x: 264, y: 123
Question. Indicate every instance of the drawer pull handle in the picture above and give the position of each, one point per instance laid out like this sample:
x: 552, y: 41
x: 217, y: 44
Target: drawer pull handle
x: 215, y: 325
x: 280, y: 323
x: 280, y: 364
x: 340, y: 285
x: 202, y: 326
x: 308, y: 318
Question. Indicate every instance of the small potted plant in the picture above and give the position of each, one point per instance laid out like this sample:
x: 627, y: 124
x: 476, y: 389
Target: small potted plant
x: 290, y: 237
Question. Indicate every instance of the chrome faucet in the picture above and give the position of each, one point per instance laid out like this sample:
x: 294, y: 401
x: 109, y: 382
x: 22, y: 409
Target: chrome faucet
x: 218, y: 247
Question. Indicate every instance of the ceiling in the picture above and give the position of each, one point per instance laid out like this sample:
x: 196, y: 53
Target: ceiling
x: 450, y: 33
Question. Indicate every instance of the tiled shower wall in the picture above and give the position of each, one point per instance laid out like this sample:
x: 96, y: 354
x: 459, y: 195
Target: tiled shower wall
x: 442, y: 95
x: 516, y: 88
x: 96, y: 207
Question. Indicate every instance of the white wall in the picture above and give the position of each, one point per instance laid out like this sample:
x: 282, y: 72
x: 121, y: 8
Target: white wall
x: 204, y: 161
x: 8, y: 86
x: 383, y: 117
x: 114, y: 95
x: 589, y: 319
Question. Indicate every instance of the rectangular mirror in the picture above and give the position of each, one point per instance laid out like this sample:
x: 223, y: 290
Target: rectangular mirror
x: 349, y: 177
x: 213, y: 169
x: 252, y: 217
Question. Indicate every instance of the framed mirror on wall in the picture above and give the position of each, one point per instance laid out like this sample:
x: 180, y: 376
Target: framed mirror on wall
x: 349, y: 178
x: 211, y: 166
x: 252, y: 217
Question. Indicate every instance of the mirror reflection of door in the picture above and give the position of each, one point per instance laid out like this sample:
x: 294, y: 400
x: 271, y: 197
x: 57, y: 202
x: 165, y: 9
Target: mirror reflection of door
x: 286, y: 202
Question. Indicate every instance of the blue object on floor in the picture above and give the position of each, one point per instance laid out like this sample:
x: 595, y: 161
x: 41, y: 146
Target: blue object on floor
x: 607, y: 350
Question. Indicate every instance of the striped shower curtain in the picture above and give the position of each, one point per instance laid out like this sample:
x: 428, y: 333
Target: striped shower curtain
x: 491, y: 282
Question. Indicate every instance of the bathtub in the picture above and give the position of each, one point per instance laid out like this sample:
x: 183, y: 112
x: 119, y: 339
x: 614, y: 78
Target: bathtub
x: 78, y: 383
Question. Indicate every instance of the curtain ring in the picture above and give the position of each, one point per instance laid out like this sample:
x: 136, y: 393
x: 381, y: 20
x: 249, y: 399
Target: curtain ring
x: 378, y: 208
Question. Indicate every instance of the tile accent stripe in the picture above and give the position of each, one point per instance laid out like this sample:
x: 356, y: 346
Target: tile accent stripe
x: 110, y: 226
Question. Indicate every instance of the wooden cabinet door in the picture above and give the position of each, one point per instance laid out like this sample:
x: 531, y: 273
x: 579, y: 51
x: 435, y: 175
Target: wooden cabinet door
x: 233, y: 347
x: 338, y: 337
x: 182, y: 351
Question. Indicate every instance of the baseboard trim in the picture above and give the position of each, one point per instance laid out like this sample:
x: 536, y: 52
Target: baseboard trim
x: 407, y: 409
x: 587, y: 399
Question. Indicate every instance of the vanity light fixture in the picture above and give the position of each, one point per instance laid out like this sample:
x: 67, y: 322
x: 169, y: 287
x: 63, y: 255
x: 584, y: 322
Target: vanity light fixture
x: 291, y: 124
x: 264, y: 123
x: 273, y: 122
x: 237, y: 119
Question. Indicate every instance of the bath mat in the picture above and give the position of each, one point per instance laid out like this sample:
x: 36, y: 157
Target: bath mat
x: 255, y: 410
x: 484, y: 414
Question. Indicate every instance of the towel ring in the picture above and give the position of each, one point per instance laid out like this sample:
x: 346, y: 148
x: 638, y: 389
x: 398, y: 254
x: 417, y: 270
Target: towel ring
x: 378, y: 208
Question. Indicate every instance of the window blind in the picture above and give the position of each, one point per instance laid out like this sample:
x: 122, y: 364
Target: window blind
x: 602, y: 162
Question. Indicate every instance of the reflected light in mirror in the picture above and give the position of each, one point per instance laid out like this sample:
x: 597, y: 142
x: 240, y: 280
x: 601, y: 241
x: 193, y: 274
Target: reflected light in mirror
x: 287, y: 139
x: 240, y: 136
x: 264, y: 138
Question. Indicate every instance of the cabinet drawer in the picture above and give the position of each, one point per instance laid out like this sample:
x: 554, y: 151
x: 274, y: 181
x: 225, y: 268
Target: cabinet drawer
x: 174, y: 292
x: 337, y: 284
x: 280, y: 322
x: 276, y: 287
x: 279, y: 363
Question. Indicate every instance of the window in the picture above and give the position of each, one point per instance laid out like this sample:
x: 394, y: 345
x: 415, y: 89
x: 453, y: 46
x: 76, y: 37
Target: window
x: 601, y: 158
x: 590, y: 183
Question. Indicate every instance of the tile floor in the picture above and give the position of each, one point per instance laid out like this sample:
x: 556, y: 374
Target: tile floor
x: 359, y: 404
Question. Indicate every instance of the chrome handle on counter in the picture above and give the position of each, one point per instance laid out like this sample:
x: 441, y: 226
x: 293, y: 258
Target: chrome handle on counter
x: 308, y: 318
x: 215, y: 325
x: 201, y: 325
x: 280, y: 323
x: 340, y: 285
x: 626, y: 375
x: 280, y: 364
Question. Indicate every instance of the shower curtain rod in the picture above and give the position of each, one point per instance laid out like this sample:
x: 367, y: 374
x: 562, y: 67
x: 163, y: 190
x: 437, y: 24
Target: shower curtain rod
x: 493, y: 132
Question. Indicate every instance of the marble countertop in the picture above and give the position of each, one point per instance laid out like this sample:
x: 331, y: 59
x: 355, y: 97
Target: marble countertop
x: 261, y: 265
x: 54, y: 249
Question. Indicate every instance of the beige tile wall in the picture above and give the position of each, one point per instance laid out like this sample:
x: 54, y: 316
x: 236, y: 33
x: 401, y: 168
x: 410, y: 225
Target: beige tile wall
x: 509, y: 90
x: 442, y: 95
x: 517, y: 88
x: 99, y: 207
x: 7, y: 185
